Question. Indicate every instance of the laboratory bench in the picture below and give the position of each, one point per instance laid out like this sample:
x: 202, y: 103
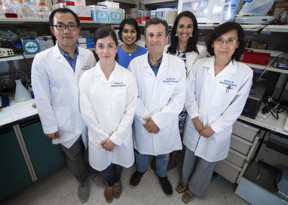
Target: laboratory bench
x: 26, y: 154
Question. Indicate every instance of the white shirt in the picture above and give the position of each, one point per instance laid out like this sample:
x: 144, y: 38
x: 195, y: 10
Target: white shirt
x: 55, y: 86
x: 218, y: 101
x: 162, y: 98
x: 108, y: 108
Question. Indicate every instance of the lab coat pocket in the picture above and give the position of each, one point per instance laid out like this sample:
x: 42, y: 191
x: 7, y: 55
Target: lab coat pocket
x: 63, y: 118
x: 224, y: 95
x: 119, y: 98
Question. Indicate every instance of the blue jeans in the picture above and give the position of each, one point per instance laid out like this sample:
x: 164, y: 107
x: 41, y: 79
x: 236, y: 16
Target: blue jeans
x: 142, y: 161
x: 112, y: 174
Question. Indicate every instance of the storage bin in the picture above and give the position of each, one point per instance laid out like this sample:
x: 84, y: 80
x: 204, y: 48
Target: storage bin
x: 228, y: 170
x: 244, y: 131
x: 240, y: 144
x: 236, y: 158
x: 255, y: 57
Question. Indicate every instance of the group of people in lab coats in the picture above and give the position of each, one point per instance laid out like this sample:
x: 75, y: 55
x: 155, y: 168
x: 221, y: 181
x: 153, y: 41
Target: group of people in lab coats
x: 132, y: 114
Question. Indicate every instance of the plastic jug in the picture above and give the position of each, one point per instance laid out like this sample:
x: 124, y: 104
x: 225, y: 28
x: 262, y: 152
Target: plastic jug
x: 9, y: 9
x: 29, y: 9
x: 1, y: 10
x: 229, y: 10
x: 21, y: 93
x: 42, y: 10
x: 256, y: 7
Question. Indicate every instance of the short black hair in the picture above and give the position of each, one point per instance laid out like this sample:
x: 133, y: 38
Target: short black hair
x: 130, y: 21
x: 63, y: 10
x: 104, y: 32
x: 222, y: 29
x: 191, y: 44
x: 154, y: 21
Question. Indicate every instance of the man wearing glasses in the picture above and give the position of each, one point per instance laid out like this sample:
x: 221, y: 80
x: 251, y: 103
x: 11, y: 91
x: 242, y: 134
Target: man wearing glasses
x: 55, y: 76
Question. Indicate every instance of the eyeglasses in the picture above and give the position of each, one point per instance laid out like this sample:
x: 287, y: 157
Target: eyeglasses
x: 62, y: 27
x: 229, y: 41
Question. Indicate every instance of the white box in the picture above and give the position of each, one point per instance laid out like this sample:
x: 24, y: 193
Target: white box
x: 80, y: 2
x: 99, y: 13
x: 109, y: 4
x: 116, y: 15
x: 83, y: 12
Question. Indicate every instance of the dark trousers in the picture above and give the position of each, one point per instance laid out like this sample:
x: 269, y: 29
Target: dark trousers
x: 76, y: 160
x: 112, y: 174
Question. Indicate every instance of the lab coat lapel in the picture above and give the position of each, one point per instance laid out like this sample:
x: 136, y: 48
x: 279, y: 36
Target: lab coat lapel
x: 62, y: 61
x: 163, y: 65
x: 146, y: 66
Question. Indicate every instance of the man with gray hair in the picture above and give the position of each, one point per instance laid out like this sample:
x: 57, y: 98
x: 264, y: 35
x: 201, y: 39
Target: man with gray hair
x: 161, y: 81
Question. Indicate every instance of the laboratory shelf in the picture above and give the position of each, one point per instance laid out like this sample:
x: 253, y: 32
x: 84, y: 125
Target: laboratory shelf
x: 267, y: 68
x: 253, y: 27
x: 25, y: 21
x: 15, y: 57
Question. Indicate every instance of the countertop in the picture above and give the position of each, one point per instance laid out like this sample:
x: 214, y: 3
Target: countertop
x: 17, y: 111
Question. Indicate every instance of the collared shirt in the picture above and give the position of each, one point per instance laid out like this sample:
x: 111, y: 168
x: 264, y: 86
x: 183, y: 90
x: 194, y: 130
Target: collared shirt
x: 156, y: 67
x: 71, y: 61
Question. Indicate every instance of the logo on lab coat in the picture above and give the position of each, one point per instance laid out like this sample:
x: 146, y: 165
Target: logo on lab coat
x: 169, y: 80
x: 86, y: 67
x: 118, y: 84
x: 230, y: 85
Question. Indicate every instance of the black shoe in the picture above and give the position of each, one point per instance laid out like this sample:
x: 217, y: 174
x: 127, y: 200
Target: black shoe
x: 136, y: 178
x: 166, y: 186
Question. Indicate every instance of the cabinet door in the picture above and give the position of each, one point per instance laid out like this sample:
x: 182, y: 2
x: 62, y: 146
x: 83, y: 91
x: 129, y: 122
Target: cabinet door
x: 14, y: 173
x: 45, y: 156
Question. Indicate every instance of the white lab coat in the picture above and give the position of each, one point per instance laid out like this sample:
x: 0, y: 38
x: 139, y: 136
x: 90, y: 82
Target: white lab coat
x: 55, y: 86
x: 108, y: 108
x: 218, y: 101
x: 191, y: 57
x: 161, y: 97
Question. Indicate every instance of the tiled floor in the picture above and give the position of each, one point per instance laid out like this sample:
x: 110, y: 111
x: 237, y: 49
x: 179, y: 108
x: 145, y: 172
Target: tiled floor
x: 61, y: 188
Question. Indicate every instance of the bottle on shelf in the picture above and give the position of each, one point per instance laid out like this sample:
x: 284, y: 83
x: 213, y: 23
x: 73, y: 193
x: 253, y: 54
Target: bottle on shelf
x: 42, y: 10
x: 19, y: 8
x: 9, y: 9
x: 1, y: 10
x: 29, y: 10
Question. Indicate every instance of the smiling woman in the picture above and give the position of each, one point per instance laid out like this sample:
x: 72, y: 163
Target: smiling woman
x: 217, y: 89
x: 129, y: 34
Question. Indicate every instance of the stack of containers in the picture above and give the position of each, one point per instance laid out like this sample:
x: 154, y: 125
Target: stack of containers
x: 86, y: 42
x: 79, y: 7
x: 99, y: 13
x: 107, y: 12
x: 140, y: 15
